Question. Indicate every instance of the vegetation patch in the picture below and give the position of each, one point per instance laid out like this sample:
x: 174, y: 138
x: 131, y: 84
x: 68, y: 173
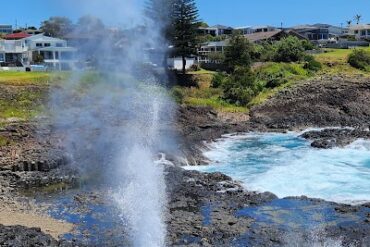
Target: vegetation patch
x: 360, y: 59
x: 4, y: 141
x: 31, y: 78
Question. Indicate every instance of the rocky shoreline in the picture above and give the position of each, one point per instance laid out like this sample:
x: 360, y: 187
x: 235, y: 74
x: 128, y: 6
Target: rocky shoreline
x: 203, y: 208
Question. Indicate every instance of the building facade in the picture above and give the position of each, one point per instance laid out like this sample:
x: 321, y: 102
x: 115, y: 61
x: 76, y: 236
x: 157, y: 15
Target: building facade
x: 54, y: 53
x: 6, y: 29
x: 361, y: 32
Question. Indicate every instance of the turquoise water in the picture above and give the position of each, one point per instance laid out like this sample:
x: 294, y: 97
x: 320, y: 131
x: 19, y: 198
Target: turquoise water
x: 287, y: 165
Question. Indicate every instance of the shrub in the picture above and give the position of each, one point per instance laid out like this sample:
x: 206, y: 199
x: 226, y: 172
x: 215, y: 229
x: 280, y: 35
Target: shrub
x: 240, y: 87
x: 311, y: 64
x: 289, y: 49
x: 195, y: 67
x: 218, y: 79
x: 307, y: 45
x: 275, y: 74
x: 178, y: 94
x: 360, y: 59
x: 266, y: 52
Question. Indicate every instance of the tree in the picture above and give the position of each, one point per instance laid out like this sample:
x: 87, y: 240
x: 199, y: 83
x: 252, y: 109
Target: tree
x: 238, y: 53
x: 185, y: 25
x: 57, y: 26
x: 90, y: 24
x: 289, y: 49
x: 349, y: 22
x: 357, y: 18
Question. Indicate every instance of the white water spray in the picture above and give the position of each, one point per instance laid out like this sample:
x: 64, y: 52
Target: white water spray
x: 112, y: 119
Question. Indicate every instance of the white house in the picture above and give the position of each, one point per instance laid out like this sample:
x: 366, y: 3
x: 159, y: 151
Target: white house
x: 6, y: 29
x: 210, y: 48
x: 216, y: 30
x: 56, y: 54
x: 361, y: 32
x: 176, y: 63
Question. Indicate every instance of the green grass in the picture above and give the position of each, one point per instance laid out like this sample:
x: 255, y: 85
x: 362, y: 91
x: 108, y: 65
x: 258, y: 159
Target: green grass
x: 335, y: 62
x: 204, y: 96
x: 25, y: 105
x: 286, y: 74
x: 4, y: 141
x: 30, y: 78
x: 216, y: 103
x: 201, y: 72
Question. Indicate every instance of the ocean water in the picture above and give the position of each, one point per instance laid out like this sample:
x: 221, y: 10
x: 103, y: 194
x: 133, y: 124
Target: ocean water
x: 287, y: 165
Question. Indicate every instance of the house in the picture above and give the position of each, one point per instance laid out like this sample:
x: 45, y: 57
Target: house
x: 55, y: 53
x: 6, y: 29
x: 209, y: 48
x: 216, y: 30
x: 176, y: 63
x: 360, y: 32
x: 271, y: 36
x: 320, y: 32
x: 244, y: 30
x: 263, y: 29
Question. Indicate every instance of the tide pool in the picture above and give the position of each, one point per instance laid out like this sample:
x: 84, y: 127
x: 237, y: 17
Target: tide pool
x: 287, y: 165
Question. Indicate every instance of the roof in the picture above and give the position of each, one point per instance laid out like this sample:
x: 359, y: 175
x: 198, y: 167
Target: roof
x: 217, y: 43
x: 361, y: 26
x: 262, y: 26
x: 221, y: 27
x: 20, y: 35
x: 253, y: 37
x: 43, y: 38
x: 217, y: 27
x: 57, y: 49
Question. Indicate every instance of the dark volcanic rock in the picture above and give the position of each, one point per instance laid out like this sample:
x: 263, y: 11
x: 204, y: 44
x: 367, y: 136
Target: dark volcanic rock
x: 329, y: 138
x: 19, y: 236
x: 319, y: 102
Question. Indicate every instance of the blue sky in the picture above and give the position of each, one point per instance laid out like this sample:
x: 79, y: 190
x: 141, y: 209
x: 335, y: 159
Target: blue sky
x: 227, y: 12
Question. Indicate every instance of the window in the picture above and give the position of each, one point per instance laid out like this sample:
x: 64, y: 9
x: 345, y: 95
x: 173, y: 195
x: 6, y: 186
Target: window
x: 47, y: 44
x: 59, y: 45
x: 363, y: 32
x: 38, y: 44
x: 356, y: 31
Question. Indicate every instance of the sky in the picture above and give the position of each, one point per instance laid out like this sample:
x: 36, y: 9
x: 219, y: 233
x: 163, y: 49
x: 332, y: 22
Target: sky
x: 227, y: 12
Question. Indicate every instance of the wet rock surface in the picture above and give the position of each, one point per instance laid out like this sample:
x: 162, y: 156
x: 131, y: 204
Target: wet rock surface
x: 205, y: 210
x: 330, y: 138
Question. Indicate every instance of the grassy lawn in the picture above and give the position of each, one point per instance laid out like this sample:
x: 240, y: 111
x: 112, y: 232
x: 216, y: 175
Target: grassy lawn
x: 25, y: 100
x: 201, y: 72
x: 30, y: 78
x: 335, y: 62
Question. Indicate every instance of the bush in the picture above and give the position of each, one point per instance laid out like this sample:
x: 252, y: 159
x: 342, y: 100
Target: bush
x: 289, y: 49
x: 360, y: 59
x: 240, y: 87
x: 275, y: 74
x: 266, y: 52
x: 307, y: 45
x: 218, y: 79
x: 311, y: 64
x: 178, y: 94
x: 195, y: 67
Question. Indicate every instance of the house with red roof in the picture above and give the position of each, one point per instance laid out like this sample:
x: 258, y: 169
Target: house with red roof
x: 17, y: 36
x: 54, y: 53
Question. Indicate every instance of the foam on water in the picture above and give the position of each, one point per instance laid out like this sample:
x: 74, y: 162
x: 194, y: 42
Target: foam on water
x: 287, y: 165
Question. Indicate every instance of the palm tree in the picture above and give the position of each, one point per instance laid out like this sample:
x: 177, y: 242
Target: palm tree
x: 358, y: 18
x: 349, y: 22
